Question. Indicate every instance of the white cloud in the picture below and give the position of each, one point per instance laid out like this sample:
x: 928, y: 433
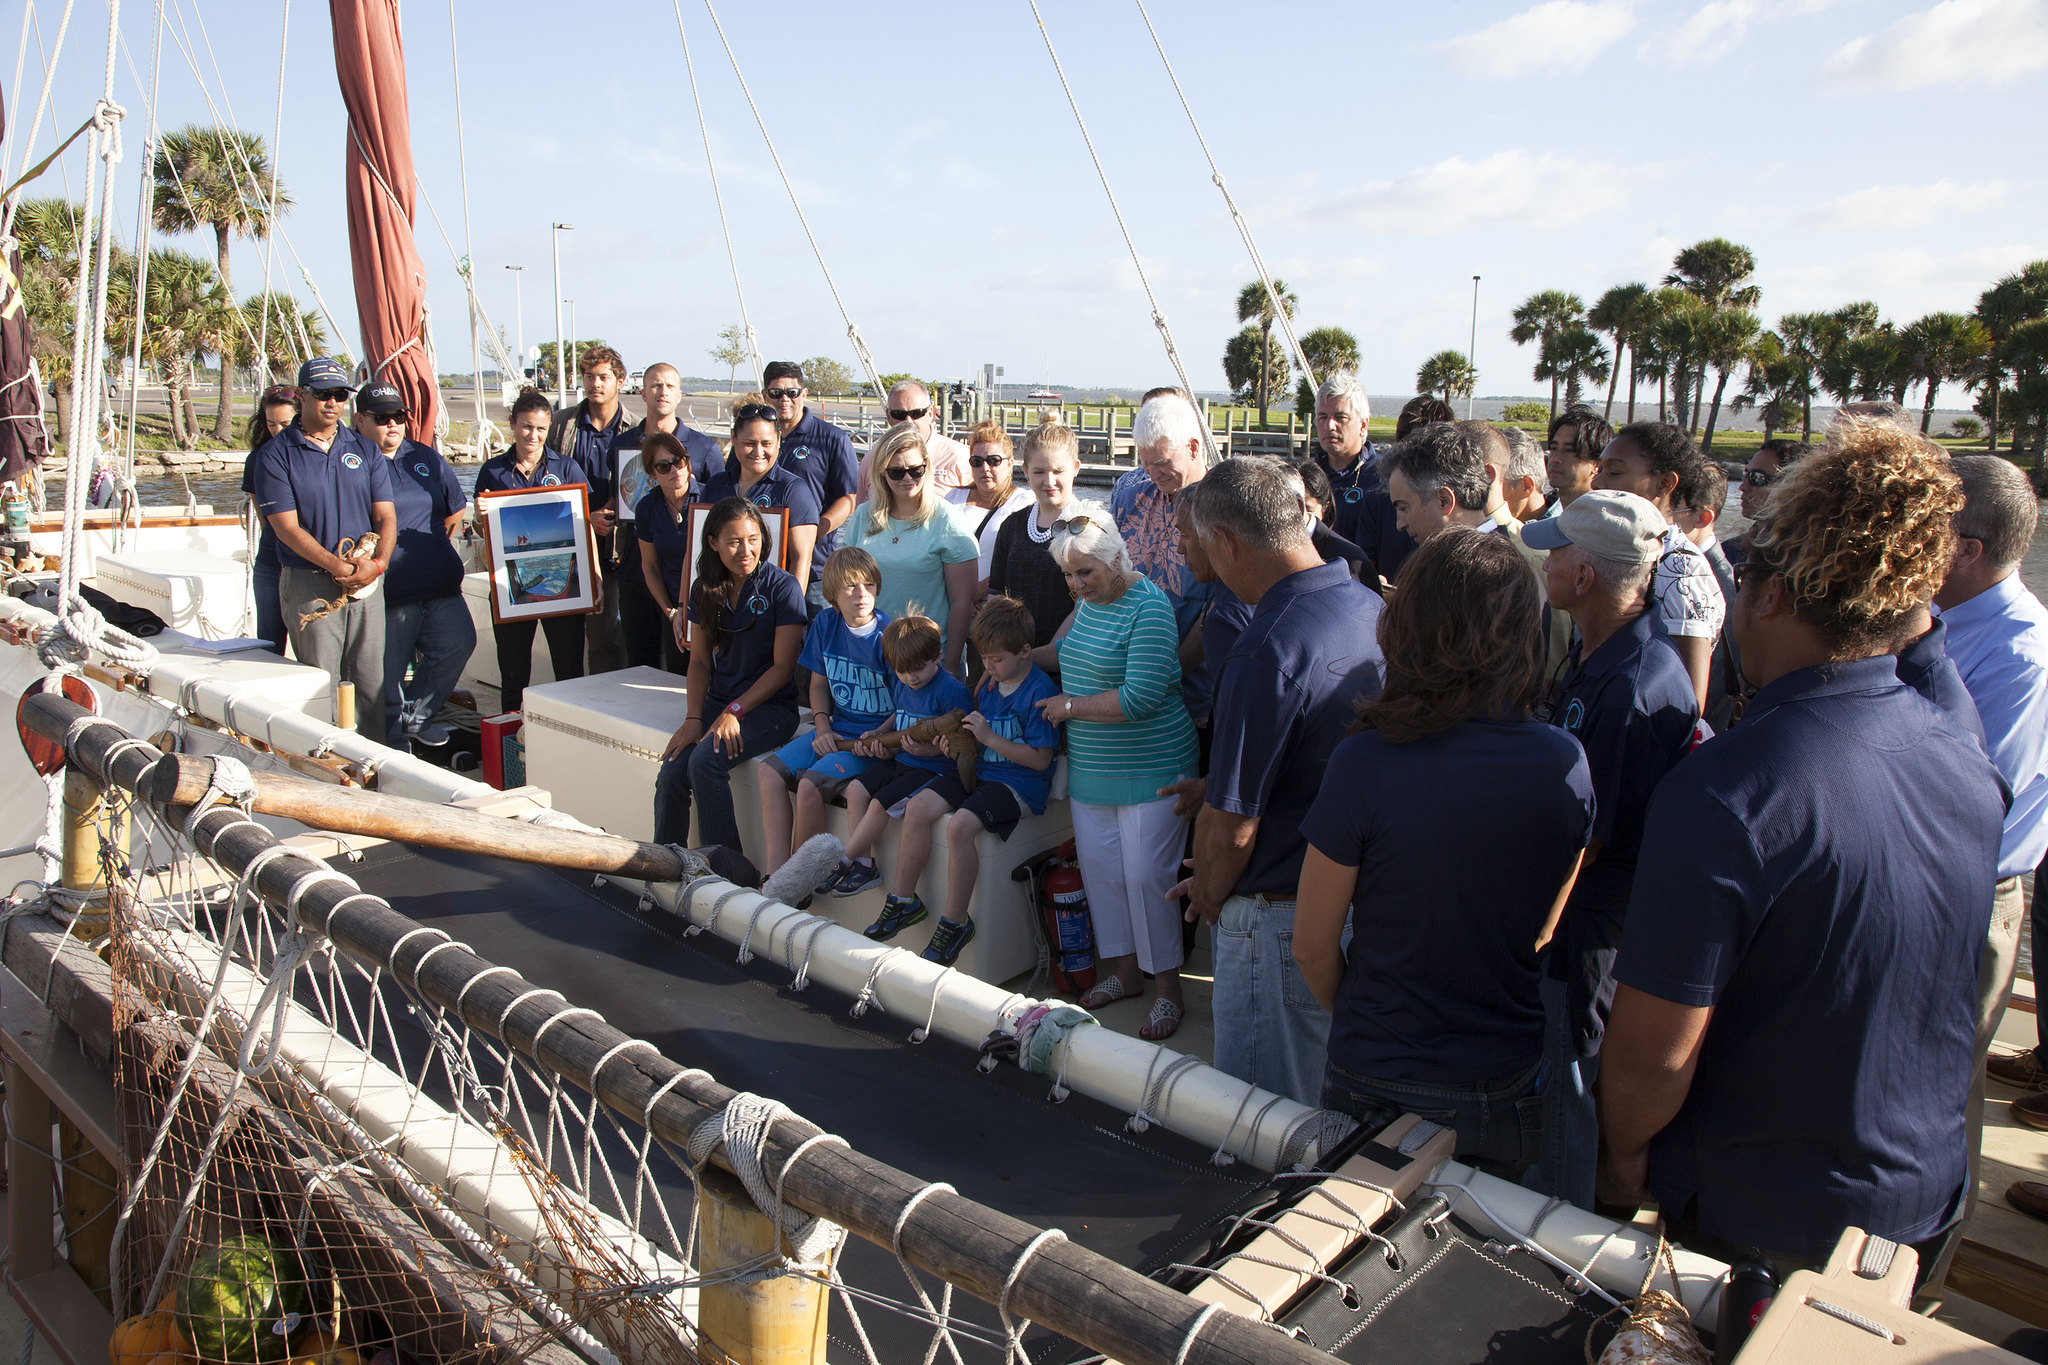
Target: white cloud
x: 1902, y: 206
x: 1708, y: 34
x: 1514, y: 188
x: 1908, y: 281
x: 1982, y: 42
x: 1557, y: 37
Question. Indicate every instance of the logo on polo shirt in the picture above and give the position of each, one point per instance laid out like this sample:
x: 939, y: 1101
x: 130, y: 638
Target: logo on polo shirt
x: 761, y: 500
x: 351, y: 460
x: 550, y: 480
x: 799, y: 452
x: 420, y: 469
x: 1574, y: 714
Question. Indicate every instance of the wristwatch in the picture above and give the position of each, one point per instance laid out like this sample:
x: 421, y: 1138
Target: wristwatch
x: 1070, y: 706
x: 733, y: 711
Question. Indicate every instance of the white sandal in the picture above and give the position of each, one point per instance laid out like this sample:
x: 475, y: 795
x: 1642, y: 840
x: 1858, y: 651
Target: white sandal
x: 1105, y: 993
x: 1163, y: 1022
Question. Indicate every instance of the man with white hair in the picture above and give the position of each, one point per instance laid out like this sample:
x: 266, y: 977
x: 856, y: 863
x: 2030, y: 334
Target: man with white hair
x: 1526, y: 476
x: 1168, y: 438
x: 910, y: 402
x: 1363, y: 514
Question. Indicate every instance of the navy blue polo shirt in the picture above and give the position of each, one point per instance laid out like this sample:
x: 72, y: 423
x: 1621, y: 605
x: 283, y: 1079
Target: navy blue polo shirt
x: 778, y: 489
x: 1821, y: 876
x: 632, y: 482
x: 746, y: 638
x: 591, y: 447
x: 266, y: 539
x: 1364, y: 514
x: 501, y: 472
x: 1441, y: 975
x: 1284, y: 698
x: 1631, y: 706
x: 1223, y: 620
x: 1924, y: 666
x: 669, y: 534
x: 332, y: 490
x: 823, y: 455
x: 425, y: 493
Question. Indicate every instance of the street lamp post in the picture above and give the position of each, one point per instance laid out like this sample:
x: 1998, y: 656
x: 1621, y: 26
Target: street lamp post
x: 1471, y: 349
x: 519, y: 311
x: 561, y: 372
x: 572, y: 343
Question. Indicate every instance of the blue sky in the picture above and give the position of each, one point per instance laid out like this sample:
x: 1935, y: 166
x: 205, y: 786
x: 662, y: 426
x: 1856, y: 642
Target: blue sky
x: 1384, y: 154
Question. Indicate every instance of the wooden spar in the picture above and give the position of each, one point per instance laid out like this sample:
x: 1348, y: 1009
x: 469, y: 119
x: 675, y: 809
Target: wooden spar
x: 181, y: 780
x: 1060, y: 1285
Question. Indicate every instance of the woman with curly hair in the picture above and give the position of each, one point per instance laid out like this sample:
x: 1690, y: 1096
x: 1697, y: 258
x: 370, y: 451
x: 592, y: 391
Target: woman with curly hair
x: 1791, y: 1045
x: 1449, y: 830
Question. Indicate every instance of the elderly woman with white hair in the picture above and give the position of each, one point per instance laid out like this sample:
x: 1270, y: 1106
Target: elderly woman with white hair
x: 1128, y: 735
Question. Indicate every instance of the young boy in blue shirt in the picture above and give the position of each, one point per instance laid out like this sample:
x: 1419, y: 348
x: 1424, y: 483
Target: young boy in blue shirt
x: 921, y: 689
x: 1014, y: 774
x: 850, y: 697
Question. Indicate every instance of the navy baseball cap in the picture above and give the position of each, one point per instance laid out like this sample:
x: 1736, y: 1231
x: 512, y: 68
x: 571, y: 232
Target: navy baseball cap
x: 380, y: 398
x: 324, y: 372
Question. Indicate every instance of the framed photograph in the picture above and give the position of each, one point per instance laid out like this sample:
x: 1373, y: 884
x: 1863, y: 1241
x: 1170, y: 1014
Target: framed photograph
x: 776, y: 521
x: 543, y: 554
x: 632, y: 480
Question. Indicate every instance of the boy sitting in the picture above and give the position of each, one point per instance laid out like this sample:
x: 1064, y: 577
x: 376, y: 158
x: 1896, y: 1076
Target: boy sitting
x: 921, y: 689
x: 1017, y: 746
x: 850, y: 696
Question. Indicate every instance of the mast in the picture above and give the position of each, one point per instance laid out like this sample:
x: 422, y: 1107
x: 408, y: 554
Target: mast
x: 391, y: 296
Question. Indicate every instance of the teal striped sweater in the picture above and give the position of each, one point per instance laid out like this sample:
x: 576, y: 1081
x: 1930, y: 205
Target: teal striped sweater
x: 1129, y: 647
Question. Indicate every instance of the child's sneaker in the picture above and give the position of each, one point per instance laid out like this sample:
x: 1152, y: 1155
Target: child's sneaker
x: 854, y: 877
x: 898, y: 914
x: 948, y: 939
x: 831, y: 879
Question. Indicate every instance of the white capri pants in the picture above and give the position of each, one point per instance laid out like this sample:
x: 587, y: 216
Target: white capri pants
x: 1130, y: 857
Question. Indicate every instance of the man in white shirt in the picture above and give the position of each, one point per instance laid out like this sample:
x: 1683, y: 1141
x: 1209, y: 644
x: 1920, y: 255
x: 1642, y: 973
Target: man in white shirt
x: 909, y: 402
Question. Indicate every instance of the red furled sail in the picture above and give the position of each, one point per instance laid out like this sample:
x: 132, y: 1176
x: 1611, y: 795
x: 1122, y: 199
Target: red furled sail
x: 391, y: 287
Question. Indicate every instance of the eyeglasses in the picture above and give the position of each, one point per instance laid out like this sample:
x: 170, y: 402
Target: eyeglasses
x: 1757, y: 478
x: 385, y: 419
x: 664, y: 467
x: 332, y: 395
x: 754, y: 412
x: 908, y: 414
x: 987, y: 461
x: 906, y: 473
x: 1748, y: 567
x: 783, y: 394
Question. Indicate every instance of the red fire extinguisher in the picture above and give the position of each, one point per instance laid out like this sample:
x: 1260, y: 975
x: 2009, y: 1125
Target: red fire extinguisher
x: 1062, y: 905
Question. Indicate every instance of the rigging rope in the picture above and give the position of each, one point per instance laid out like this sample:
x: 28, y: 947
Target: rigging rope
x: 270, y: 213
x: 1244, y: 228
x: 1158, y: 317
x: 704, y: 130
x: 144, y: 220
x: 860, y: 345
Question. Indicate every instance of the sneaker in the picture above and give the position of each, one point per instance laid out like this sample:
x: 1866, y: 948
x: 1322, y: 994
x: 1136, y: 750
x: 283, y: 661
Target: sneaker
x: 948, y: 939
x: 432, y: 735
x: 854, y: 878
x: 898, y: 914
x: 831, y: 879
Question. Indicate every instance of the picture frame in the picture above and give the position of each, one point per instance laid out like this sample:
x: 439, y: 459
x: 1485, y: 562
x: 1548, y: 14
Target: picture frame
x: 632, y: 480
x: 542, y: 552
x: 774, y: 520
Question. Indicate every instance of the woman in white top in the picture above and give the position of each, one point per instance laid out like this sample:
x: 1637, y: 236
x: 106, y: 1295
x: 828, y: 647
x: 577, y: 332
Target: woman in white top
x: 991, y: 494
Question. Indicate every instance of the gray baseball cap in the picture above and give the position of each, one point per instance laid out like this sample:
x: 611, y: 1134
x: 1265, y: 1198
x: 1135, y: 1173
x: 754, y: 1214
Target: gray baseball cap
x: 1607, y: 523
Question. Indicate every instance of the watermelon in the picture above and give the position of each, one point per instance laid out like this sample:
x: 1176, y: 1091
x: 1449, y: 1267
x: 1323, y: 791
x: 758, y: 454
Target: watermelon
x: 235, y: 1295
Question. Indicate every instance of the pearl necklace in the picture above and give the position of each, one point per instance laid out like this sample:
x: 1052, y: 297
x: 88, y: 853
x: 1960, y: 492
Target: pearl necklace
x: 1031, y: 529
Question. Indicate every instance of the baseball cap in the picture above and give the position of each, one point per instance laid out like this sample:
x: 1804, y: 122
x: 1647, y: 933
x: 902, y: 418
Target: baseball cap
x: 324, y: 372
x: 380, y: 398
x: 1607, y: 524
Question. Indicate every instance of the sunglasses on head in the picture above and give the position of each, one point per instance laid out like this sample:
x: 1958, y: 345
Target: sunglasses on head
x: 1757, y: 478
x: 987, y: 461
x: 1074, y: 525
x: 280, y: 393
x: 785, y: 393
x: 908, y: 414
x: 332, y: 395
x: 667, y: 466
x: 906, y: 473
x: 754, y: 412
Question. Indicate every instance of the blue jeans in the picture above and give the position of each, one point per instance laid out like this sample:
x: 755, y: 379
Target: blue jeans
x: 1571, y: 1127
x: 1270, y: 1029
x: 436, y: 637
x: 702, y: 773
x: 263, y: 581
x: 1499, y: 1122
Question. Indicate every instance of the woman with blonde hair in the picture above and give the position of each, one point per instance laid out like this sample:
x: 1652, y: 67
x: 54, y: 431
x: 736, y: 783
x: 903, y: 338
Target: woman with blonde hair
x: 1128, y: 735
x: 991, y: 494
x: 922, y: 545
x: 1022, y: 565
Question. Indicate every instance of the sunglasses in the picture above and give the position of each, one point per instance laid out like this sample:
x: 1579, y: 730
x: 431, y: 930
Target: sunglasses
x: 1073, y: 526
x: 908, y: 414
x: 333, y: 395
x: 385, y: 419
x: 663, y: 467
x: 987, y: 461
x: 906, y: 473
x: 1756, y: 478
x: 280, y: 393
x: 754, y: 412
x: 780, y: 394
x: 1746, y: 569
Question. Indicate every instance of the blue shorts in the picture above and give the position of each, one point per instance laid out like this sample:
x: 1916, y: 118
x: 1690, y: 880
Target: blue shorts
x: 829, y: 774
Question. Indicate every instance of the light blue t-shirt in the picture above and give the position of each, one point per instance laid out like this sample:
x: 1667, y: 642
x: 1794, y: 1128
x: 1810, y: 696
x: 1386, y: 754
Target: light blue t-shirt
x: 862, y: 699
x: 1018, y: 719
x: 942, y: 694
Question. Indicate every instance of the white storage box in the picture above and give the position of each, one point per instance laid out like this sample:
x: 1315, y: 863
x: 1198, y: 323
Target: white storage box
x: 253, y: 675
x: 595, y: 744
x: 201, y: 594
x: 483, y: 660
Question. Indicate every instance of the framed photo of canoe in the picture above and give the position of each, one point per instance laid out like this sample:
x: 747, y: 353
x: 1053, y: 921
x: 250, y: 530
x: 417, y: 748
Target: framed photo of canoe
x: 776, y: 521
x: 543, y: 554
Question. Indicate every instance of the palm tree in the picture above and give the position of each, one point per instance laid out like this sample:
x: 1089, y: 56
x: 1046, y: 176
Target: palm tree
x: 1717, y: 273
x: 1778, y: 385
x: 1805, y: 337
x: 2026, y: 351
x: 1540, y: 318
x: 49, y: 232
x: 184, y: 299
x: 2007, y: 305
x: 1621, y: 314
x: 1574, y: 356
x: 1447, y: 374
x: 286, y: 333
x: 219, y: 178
x: 1254, y: 303
x: 1679, y: 339
x: 1726, y: 342
x: 1329, y: 349
x: 1249, y: 357
x: 1943, y: 346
